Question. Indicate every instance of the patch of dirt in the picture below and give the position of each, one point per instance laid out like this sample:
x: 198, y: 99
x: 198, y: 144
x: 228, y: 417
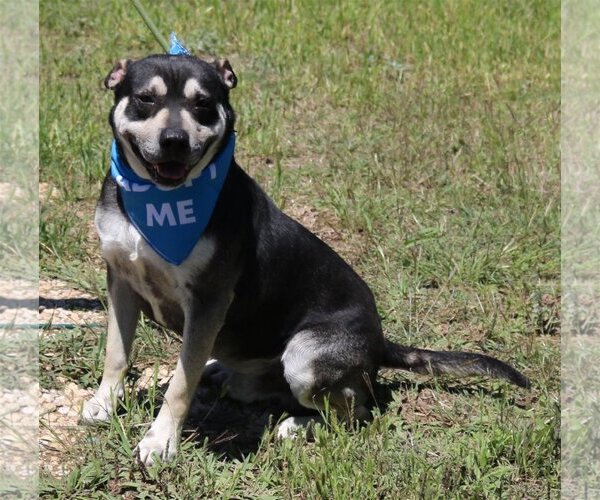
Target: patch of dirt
x: 10, y: 191
x: 47, y: 192
x: 59, y: 415
x: 425, y: 405
x: 325, y: 225
x: 19, y: 419
x: 19, y: 394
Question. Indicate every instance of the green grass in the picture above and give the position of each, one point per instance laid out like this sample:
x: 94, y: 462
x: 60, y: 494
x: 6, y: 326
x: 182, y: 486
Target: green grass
x: 580, y: 414
x: 19, y: 139
x: 426, y: 135
x: 580, y: 257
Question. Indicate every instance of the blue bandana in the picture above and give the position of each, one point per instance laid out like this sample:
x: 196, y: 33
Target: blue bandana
x: 171, y: 220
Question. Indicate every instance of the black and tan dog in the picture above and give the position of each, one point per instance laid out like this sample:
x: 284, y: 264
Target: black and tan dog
x: 282, y: 313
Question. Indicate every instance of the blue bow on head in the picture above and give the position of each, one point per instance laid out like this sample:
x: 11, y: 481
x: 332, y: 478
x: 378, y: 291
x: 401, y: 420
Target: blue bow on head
x: 177, y: 49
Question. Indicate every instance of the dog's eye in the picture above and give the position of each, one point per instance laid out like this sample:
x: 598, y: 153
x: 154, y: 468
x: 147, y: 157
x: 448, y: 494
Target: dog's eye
x: 145, y: 98
x: 201, y: 103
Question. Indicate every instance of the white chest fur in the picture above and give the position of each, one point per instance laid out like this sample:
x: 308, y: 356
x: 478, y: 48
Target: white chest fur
x: 153, y: 278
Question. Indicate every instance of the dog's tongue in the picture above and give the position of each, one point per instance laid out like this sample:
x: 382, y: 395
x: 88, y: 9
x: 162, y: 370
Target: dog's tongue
x: 171, y: 170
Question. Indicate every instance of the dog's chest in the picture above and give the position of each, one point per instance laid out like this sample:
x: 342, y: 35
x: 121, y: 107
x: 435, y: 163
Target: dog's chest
x: 165, y: 287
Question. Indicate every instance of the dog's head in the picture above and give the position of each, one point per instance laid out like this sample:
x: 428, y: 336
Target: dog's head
x: 171, y: 114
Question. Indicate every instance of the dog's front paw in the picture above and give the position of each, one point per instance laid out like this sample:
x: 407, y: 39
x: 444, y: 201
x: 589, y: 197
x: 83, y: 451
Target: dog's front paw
x: 161, y: 444
x: 97, y: 409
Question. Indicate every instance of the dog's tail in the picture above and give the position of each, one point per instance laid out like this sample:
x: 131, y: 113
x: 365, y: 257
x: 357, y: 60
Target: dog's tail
x: 449, y: 362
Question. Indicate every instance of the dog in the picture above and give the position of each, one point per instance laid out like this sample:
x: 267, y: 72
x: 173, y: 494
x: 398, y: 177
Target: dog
x: 282, y: 313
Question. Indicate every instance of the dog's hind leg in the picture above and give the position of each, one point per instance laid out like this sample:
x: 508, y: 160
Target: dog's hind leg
x: 325, y: 371
x: 123, y: 312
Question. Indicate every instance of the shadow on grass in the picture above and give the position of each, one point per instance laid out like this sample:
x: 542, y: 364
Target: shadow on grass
x: 228, y: 427
x: 77, y: 303
x: 234, y: 429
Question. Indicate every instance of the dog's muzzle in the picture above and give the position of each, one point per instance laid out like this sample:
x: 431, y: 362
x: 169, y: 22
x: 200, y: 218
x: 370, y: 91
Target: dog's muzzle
x: 175, y: 149
x: 174, y: 141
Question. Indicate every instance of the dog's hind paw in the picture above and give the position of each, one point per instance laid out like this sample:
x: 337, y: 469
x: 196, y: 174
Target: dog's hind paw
x: 215, y: 374
x: 292, y: 426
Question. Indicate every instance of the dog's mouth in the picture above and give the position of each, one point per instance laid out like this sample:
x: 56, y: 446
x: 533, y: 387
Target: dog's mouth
x: 170, y: 172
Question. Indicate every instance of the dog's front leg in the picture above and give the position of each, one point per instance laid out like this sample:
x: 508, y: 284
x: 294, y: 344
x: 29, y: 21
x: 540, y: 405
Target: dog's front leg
x: 202, y: 324
x: 123, y: 313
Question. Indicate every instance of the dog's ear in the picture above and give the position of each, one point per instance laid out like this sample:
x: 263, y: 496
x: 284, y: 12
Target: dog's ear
x: 117, y: 74
x: 226, y: 72
x: 224, y: 69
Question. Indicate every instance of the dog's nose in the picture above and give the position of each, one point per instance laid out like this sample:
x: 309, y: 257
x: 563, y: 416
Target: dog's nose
x: 174, y: 139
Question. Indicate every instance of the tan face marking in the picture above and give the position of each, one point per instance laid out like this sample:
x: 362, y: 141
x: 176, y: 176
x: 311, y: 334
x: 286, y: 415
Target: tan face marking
x: 157, y: 86
x: 199, y: 134
x: 145, y: 132
x: 192, y: 88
